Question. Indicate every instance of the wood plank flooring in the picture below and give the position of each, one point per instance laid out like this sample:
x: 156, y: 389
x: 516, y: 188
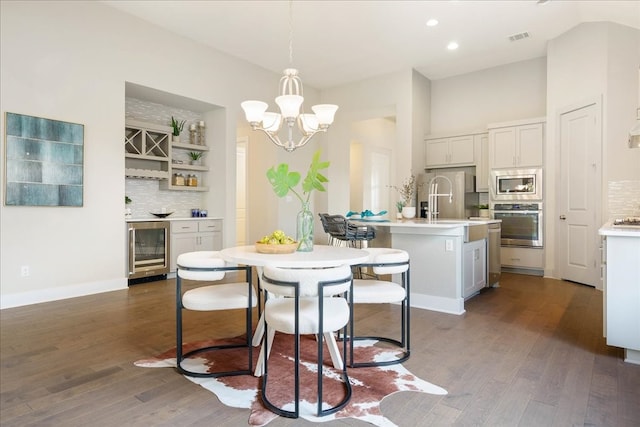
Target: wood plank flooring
x: 529, y: 353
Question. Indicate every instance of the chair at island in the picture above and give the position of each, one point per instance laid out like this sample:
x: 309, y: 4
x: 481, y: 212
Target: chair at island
x: 205, y: 267
x: 376, y: 290
x: 342, y: 232
x: 305, y: 301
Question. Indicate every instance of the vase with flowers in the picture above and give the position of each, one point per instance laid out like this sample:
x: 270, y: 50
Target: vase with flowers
x: 283, y: 181
x: 407, y: 192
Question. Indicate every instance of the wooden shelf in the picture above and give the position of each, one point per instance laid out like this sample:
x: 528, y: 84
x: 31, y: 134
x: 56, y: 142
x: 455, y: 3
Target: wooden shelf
x: 186, y: 167
x: 149, y: 152
x: 192, y: 147
x: 146, y: 173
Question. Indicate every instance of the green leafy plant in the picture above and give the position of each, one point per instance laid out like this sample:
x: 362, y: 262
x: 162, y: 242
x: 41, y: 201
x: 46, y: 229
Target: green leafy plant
x: 399, y: 205
x: 283, y: 181
x: 482, y: 206
x: 195, y: 155
x: 177, y: 126
x: 127, y: 200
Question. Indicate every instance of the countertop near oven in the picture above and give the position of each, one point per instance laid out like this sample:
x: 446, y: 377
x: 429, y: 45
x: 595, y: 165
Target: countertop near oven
x: 609, y: 229
x: 170, y: 218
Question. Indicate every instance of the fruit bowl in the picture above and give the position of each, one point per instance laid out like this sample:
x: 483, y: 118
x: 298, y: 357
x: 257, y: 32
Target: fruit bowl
x: 265, y: 248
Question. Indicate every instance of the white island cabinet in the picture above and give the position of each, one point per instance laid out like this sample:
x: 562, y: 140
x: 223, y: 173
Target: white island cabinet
x: 448, y: 264
x: 622, y: 289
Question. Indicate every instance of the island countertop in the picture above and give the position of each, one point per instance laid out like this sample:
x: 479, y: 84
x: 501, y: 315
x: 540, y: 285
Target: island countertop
x: 425, y: 223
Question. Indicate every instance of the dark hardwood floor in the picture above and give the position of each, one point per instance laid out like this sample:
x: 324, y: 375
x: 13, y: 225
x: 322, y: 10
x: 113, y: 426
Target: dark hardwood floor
x: 529, y: 353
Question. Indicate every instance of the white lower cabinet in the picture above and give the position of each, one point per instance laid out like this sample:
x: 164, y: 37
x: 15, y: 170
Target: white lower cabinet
x: 194, y: 235
x: 474, y: 267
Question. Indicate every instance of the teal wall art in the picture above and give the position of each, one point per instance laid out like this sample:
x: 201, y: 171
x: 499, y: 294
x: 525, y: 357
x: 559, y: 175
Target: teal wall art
x: 44, y: 162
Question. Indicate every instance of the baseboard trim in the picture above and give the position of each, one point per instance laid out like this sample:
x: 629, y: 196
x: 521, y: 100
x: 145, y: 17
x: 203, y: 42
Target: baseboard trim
x: 53, y: 294
x: 441, y: 304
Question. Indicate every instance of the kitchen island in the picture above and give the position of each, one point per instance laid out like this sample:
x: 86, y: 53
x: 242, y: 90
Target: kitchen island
x: 621, y: 304
x: 448, y: 258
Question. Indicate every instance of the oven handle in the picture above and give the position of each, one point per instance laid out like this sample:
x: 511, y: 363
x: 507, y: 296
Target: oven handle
x: 522, y: 212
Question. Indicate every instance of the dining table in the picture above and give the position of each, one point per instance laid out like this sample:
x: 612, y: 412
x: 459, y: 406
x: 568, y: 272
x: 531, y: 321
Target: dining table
x: 322, y: 256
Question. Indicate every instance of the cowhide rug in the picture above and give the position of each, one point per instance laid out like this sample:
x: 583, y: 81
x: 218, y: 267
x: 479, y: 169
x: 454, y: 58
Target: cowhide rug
x: 369, y: 385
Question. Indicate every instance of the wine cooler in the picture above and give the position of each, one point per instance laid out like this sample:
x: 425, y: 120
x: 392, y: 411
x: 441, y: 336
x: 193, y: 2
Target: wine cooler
x: 148, y: 250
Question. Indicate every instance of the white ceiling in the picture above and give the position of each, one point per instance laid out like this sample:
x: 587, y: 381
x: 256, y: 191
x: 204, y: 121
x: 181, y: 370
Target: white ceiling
x: 338, y: 42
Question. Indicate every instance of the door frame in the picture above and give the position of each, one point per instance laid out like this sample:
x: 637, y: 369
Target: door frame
x: 596, y: 101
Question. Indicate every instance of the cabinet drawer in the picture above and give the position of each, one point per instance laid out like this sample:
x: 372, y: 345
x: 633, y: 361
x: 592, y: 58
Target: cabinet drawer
x: 522, y: 257
x: 184, y: 226
x: 211, y: 225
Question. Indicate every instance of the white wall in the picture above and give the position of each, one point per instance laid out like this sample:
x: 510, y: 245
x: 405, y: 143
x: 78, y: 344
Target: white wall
x: 469, y: 102
x: 379, y: 97
x: 69, y: 61
x: 594, y: 61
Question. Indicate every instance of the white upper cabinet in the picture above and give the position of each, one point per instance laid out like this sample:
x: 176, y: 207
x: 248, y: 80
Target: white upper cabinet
x: 481, y: 142
x: 516, y: 145
x: 450, y: 151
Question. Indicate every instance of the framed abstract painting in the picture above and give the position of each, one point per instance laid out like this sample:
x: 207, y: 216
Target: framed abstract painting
x: 44, y: 162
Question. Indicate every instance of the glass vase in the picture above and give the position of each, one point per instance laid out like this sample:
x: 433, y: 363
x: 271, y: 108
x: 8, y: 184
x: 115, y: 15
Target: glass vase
x: 304, y: 229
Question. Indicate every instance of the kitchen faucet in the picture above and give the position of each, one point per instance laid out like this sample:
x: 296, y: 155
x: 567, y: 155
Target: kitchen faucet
x: 433, y: 195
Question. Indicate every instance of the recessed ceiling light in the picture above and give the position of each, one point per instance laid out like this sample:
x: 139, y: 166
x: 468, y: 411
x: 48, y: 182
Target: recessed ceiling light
x: 432, y: 22
x: 452, y: 45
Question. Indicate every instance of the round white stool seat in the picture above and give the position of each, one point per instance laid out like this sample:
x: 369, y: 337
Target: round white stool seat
x: 387, y: 256
x: 225, y: 296
x: 200, y: 259
x: 377, y: 292
x: 279, y: 314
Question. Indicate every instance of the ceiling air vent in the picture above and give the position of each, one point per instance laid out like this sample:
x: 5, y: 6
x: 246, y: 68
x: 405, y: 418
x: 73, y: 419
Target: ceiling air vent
x: 519, y: 36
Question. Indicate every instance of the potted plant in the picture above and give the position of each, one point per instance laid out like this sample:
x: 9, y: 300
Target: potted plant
x: 177, y: 126
x: 483, y: 210
x: 399, y: 206
x: 407, y: 191
x: 127, y: 211
x: 283, y: 181
x: 196, y: 157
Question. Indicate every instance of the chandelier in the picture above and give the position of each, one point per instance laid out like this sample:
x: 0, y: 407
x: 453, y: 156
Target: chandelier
x: 292, y: 113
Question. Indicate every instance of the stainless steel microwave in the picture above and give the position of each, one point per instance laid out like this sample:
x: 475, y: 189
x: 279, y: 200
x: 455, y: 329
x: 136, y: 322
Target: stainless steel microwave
x: 516, y: 184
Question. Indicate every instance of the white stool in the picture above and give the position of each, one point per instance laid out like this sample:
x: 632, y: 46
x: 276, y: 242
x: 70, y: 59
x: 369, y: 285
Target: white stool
x: 207, y: 266
x: 383, y: 261
x: 306, y: 302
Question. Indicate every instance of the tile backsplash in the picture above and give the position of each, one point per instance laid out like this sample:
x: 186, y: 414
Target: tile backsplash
x: 624, y: 198
x: 146, y: 198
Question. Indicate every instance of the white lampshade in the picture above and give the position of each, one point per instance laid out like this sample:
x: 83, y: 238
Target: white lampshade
x: 254, y: 110
x: 309, y: 123
x: 289, y: 105
x: 271, y: 122
x: 325, y: 113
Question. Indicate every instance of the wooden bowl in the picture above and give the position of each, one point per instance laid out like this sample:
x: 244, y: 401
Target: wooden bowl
x: 265, y: 248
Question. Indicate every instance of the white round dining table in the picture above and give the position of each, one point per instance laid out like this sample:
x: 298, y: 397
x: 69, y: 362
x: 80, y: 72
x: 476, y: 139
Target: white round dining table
x: 321, y: 256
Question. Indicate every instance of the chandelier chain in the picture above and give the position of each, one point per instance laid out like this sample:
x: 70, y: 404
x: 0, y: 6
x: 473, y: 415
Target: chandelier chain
x: 291, y: 32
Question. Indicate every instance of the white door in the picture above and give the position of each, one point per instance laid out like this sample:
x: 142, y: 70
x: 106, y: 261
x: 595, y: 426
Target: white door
x: 241, y: 191
x: 379, y: 182
x: 579, y: 193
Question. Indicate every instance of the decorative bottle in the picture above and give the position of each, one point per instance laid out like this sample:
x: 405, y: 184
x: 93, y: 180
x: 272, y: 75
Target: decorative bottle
x: 304, y: 229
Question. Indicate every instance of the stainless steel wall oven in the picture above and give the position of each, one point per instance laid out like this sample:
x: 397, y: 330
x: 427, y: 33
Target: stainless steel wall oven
x: 521, y: 224
x: 148, y: 250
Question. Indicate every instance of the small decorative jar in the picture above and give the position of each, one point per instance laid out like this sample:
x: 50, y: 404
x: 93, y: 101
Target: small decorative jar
x: 192, y: 180
x: 178, y: 179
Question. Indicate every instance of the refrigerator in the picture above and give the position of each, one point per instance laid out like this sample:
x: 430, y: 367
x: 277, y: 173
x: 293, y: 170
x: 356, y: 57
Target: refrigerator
x: 463, y: 187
